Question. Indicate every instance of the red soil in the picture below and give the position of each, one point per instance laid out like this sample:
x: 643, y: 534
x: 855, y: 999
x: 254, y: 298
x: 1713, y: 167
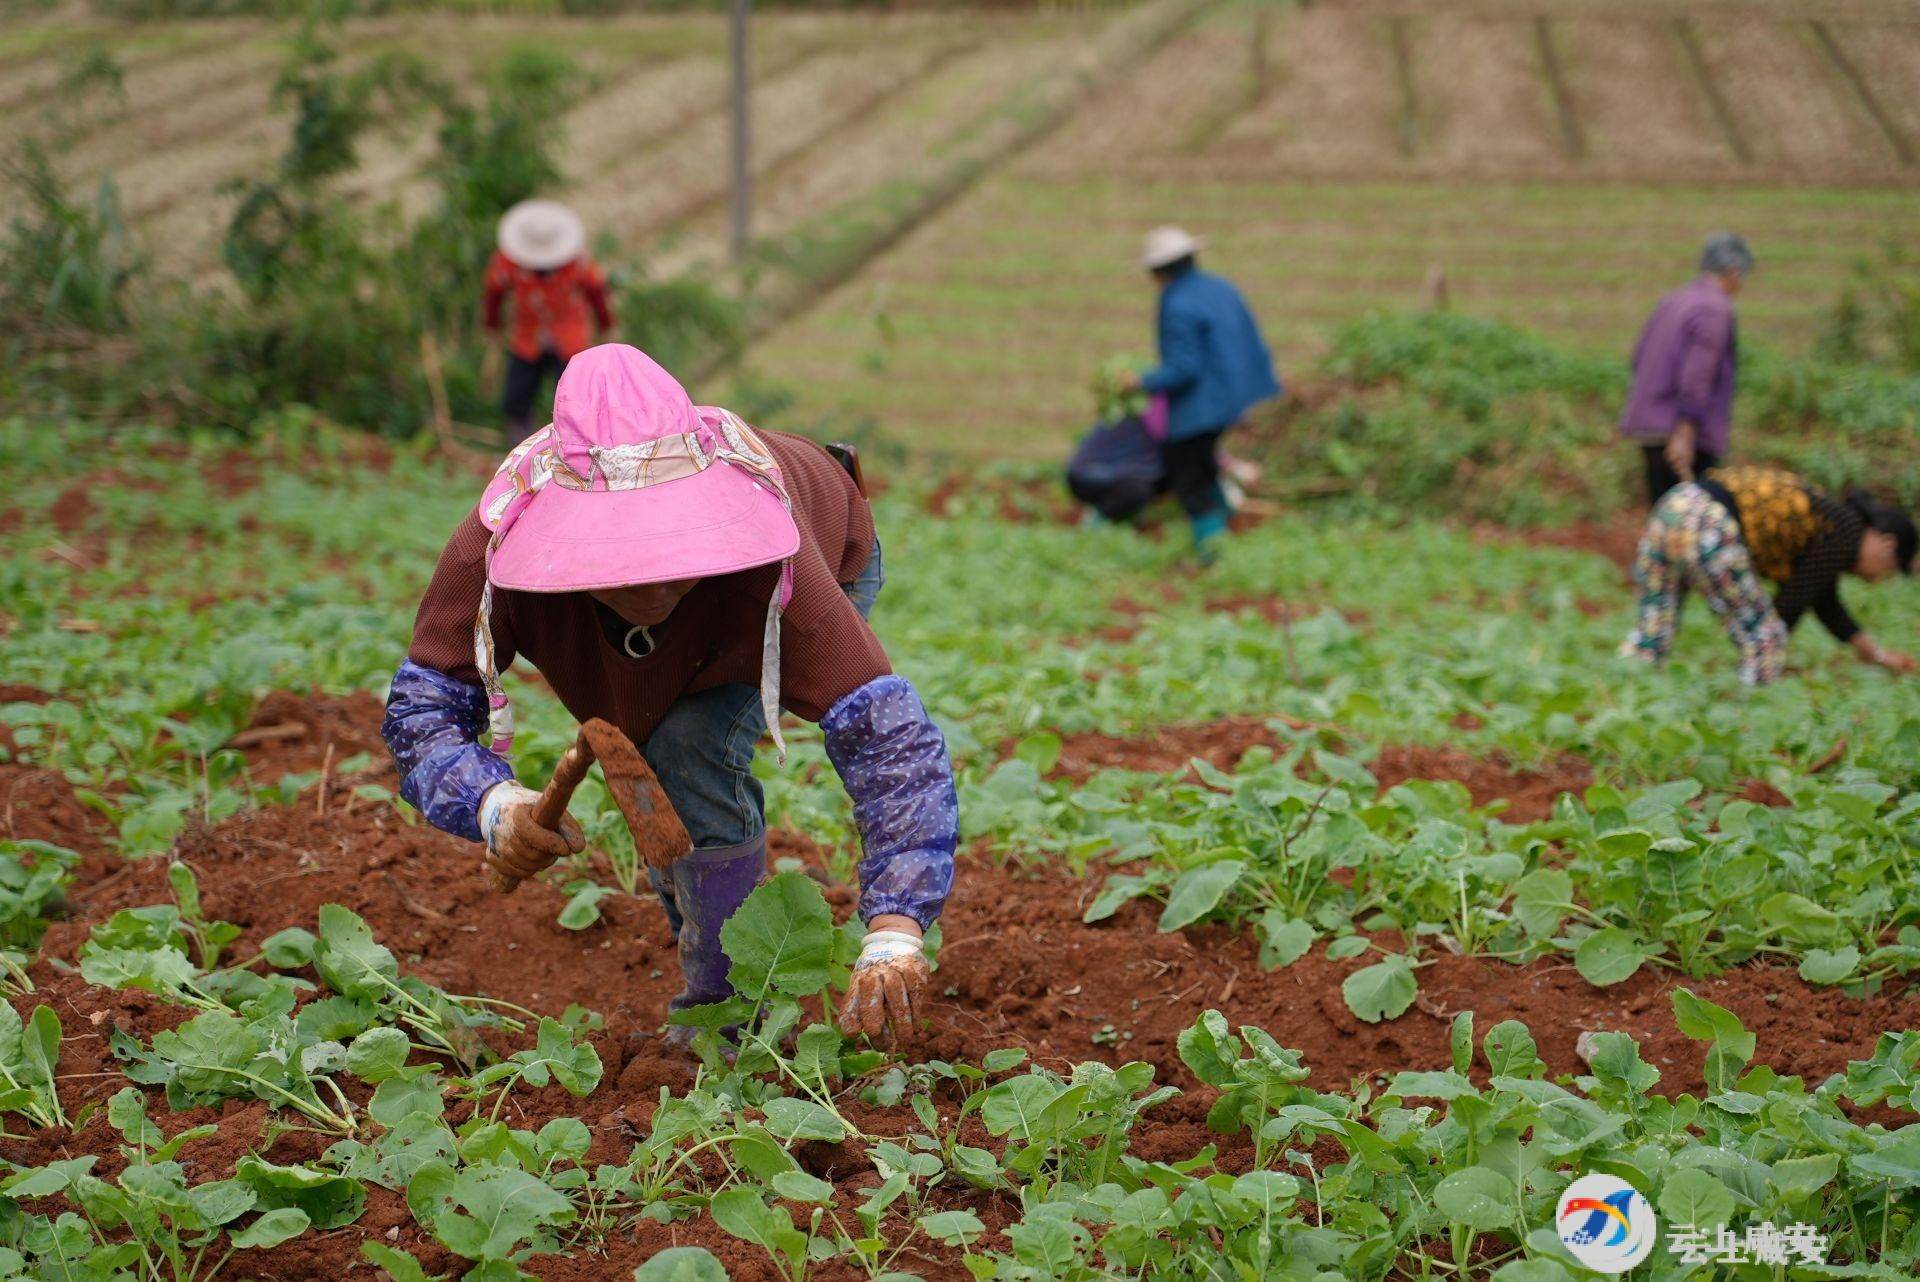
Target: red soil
x: 72, y: 509
x: 1529, y: 794
x: 336, y: 728
x: 1026, y: 971
x: 1762, y: 793
x: 1035, y: 501
x: 1019, y: 968
x: 39, y: 805
x: 1617, y: 538
x: 1167, y: 751
x: 10, y: 693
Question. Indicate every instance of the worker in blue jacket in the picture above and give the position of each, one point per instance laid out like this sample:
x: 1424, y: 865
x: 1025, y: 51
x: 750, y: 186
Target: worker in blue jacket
x: 1214, y: 367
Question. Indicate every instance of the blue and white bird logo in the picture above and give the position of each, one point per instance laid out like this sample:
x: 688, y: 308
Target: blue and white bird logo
x: 1606, y: 1223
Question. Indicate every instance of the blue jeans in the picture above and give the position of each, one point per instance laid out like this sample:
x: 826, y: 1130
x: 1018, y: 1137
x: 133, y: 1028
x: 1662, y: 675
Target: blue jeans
x: 702, y: 753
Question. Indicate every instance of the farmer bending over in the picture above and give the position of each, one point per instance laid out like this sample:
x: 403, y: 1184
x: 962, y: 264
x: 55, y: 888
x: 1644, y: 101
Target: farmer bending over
x: 1681, y: 407
x: 541, y: 264
x: 1214, y: 367
x: 683, y: 576
x: 1723, y: 532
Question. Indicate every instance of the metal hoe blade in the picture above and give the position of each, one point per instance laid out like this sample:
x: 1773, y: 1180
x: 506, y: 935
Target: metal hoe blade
x: 658, y: 835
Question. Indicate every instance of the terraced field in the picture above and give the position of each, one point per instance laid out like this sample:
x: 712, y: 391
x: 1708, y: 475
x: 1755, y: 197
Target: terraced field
x: 844, y: 101
x: 1559, y: 161
x: 982, y: 329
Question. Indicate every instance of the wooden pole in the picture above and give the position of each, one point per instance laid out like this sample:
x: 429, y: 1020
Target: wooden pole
x: 437, y: 389
x: 740, y: 174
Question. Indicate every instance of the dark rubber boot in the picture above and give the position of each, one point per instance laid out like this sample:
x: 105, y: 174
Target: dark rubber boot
x: 708, y: 887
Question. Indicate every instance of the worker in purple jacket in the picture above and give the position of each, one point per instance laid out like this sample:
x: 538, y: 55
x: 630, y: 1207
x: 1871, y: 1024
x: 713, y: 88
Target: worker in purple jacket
x: 1680, y: 410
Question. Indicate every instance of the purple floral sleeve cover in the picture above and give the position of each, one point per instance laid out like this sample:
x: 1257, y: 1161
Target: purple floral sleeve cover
x: 433, y: 727
x: 893, y: 761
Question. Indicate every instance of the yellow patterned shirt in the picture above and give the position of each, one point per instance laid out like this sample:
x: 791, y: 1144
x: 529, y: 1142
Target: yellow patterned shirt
x: 1799, y: 537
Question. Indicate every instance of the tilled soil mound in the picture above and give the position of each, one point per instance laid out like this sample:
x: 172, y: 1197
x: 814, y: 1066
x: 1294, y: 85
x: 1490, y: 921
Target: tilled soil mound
x: 1019, y: 968
x: 1617, y: 538
x: 294, y: 734
x: 1023, y: 969
x: 39, y: 805
x: 1528, y: 795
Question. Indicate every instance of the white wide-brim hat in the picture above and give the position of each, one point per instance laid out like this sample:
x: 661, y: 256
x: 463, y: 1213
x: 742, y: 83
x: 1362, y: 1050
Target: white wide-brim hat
x: 1167, y: 245
x: 540, y: 235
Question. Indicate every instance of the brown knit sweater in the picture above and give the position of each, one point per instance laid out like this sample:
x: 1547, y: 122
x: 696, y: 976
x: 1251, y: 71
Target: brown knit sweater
x: 713, y: 637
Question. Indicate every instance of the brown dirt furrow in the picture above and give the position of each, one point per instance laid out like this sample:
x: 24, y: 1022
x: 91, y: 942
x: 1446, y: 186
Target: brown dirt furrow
x: 40, y: 805
x: 1154, y: 110
x: 642, y: 109
x: 1800, y: 115
x: 1525, y: 795
x: 1480, y: 91
x: 333, y: 730
x: 1636, y: 99
x: 161, y: 183
x: 1021, y: 968
x: 905, y: 142
x: 185, y: 100
x: 678, y: 179
x: 1332, y: 97
x: 1887, y: 57
x: 26, y: 79
x: 1528, y: 794
x: 1168, y: 750
x: 1617, y: 539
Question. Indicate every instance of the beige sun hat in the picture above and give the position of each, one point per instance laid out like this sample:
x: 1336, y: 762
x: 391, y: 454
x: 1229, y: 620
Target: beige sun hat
x: 1167, y: 245
x: 540, y: 235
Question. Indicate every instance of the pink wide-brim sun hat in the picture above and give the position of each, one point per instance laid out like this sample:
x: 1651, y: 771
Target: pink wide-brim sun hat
x: 643, y: 516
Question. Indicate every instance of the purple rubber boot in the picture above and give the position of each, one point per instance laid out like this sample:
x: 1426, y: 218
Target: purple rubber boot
x: 708, y: 887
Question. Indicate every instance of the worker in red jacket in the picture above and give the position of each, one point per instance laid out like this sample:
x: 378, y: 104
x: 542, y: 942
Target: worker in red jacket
x: 542, y: 263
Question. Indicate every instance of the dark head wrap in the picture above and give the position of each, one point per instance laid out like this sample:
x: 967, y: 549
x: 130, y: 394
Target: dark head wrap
x: 1888, y: 518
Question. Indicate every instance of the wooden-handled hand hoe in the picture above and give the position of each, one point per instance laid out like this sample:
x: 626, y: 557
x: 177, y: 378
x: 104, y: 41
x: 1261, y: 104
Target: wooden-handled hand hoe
x: 658, y: 835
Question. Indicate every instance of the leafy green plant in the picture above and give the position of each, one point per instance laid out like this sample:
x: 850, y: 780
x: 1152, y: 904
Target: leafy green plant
x: 150, y: 1224
x: 558, y: 1056
x: 217, y: 1055
x: 29, y: 1060
x: 33, y: 879
x: 492, y: 1214
x: 1112, y: 399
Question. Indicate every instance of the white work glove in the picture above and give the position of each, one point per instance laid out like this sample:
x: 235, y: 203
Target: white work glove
x: 887, y: 981
x: 517, y: 847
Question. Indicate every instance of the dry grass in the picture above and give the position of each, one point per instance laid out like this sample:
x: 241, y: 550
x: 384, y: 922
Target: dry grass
x: 1480, y: 86
x: 1636, y: 95
x: 1803, y: 119
x: 1888, y: 57
x: 1332, y: 101
x: 1156, y: 109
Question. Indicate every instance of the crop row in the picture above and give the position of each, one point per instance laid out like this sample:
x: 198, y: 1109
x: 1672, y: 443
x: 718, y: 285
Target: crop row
x: 1461, y: 1162
x: 461, y: 1109
x: 941, y: 327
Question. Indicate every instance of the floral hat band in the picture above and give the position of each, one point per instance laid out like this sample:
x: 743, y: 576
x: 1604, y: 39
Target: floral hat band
x: 567, y: 514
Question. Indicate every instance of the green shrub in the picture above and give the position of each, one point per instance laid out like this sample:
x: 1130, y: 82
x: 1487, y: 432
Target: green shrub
x: 1475, y: 418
